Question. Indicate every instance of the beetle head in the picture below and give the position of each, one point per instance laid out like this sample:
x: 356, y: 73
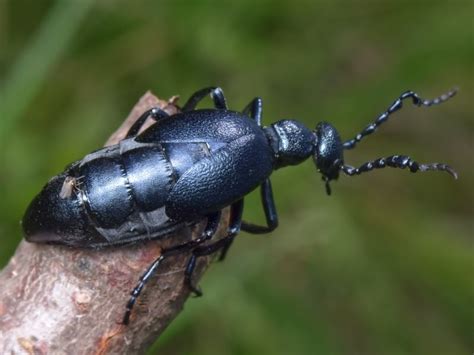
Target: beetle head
x: 328, y: 153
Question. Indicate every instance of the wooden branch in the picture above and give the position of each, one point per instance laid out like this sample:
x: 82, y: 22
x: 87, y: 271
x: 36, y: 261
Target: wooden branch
x: 60, y: 300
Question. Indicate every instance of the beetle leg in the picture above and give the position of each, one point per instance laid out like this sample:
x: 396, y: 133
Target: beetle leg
x: 397, y: 161
x: 269, y: 208
x: 188, y: 272
x: 217, y: 95
x: 209, y: 231
x: 234, y: 228
x: 225, y: 248
x: 395, y: 106
x: 254, y: 110
x: 214, y: 247
x: 155, y: 112
x: 224, y: 244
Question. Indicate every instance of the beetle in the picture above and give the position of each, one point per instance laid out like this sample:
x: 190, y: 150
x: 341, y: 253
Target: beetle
x: 184, y: 169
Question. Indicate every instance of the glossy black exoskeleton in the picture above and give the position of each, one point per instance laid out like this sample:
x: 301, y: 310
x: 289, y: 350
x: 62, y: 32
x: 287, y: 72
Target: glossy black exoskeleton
x: 184, y: 169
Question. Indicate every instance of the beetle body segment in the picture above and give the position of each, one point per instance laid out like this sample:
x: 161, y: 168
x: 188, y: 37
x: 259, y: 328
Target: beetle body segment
x: 148, y: 186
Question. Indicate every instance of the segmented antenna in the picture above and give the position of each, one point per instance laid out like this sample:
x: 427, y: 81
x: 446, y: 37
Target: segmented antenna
x: 397, y: 105
x: 397, y: 161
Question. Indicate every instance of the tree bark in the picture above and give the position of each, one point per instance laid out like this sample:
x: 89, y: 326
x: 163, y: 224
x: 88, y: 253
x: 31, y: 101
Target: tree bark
x: 60, y: 300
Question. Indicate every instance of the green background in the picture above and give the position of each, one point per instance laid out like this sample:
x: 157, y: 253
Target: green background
x: 384, y: 266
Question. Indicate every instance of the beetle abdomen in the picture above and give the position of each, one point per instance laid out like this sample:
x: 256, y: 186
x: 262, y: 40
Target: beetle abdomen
x: 51, y: 218
x: 114, y: 195
x: 122, y: 180
x: 123, y: 189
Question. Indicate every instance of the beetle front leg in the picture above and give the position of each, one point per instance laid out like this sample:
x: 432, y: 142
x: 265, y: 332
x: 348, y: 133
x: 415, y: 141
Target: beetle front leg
x: 269, y: 208
x: 217, y: 95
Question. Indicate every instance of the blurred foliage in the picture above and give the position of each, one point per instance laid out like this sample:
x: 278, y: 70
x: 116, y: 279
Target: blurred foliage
x: 384, y: 266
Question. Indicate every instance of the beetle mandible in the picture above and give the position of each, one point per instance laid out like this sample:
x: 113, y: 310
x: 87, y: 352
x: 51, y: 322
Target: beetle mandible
x: 184, y: 169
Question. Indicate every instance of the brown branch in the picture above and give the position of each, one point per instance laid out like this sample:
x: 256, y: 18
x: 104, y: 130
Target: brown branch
x: 56, y: 299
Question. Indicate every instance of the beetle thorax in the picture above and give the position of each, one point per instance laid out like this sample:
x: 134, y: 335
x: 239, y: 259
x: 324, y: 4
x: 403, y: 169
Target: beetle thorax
x: 291, y: 141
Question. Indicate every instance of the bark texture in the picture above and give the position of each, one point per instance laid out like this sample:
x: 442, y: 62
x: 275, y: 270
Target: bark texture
x: 60, y: 300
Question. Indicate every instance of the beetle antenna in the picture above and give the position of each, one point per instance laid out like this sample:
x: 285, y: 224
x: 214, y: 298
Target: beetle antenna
x: 398, y: 161
x: 395, y: 106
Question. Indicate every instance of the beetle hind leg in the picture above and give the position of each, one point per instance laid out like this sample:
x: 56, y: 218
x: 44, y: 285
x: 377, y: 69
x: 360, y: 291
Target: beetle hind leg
x: 138, y: 289
x: 209, y: 231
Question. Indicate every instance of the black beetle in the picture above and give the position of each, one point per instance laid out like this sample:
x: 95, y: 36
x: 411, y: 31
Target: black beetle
x: 185, y: 168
